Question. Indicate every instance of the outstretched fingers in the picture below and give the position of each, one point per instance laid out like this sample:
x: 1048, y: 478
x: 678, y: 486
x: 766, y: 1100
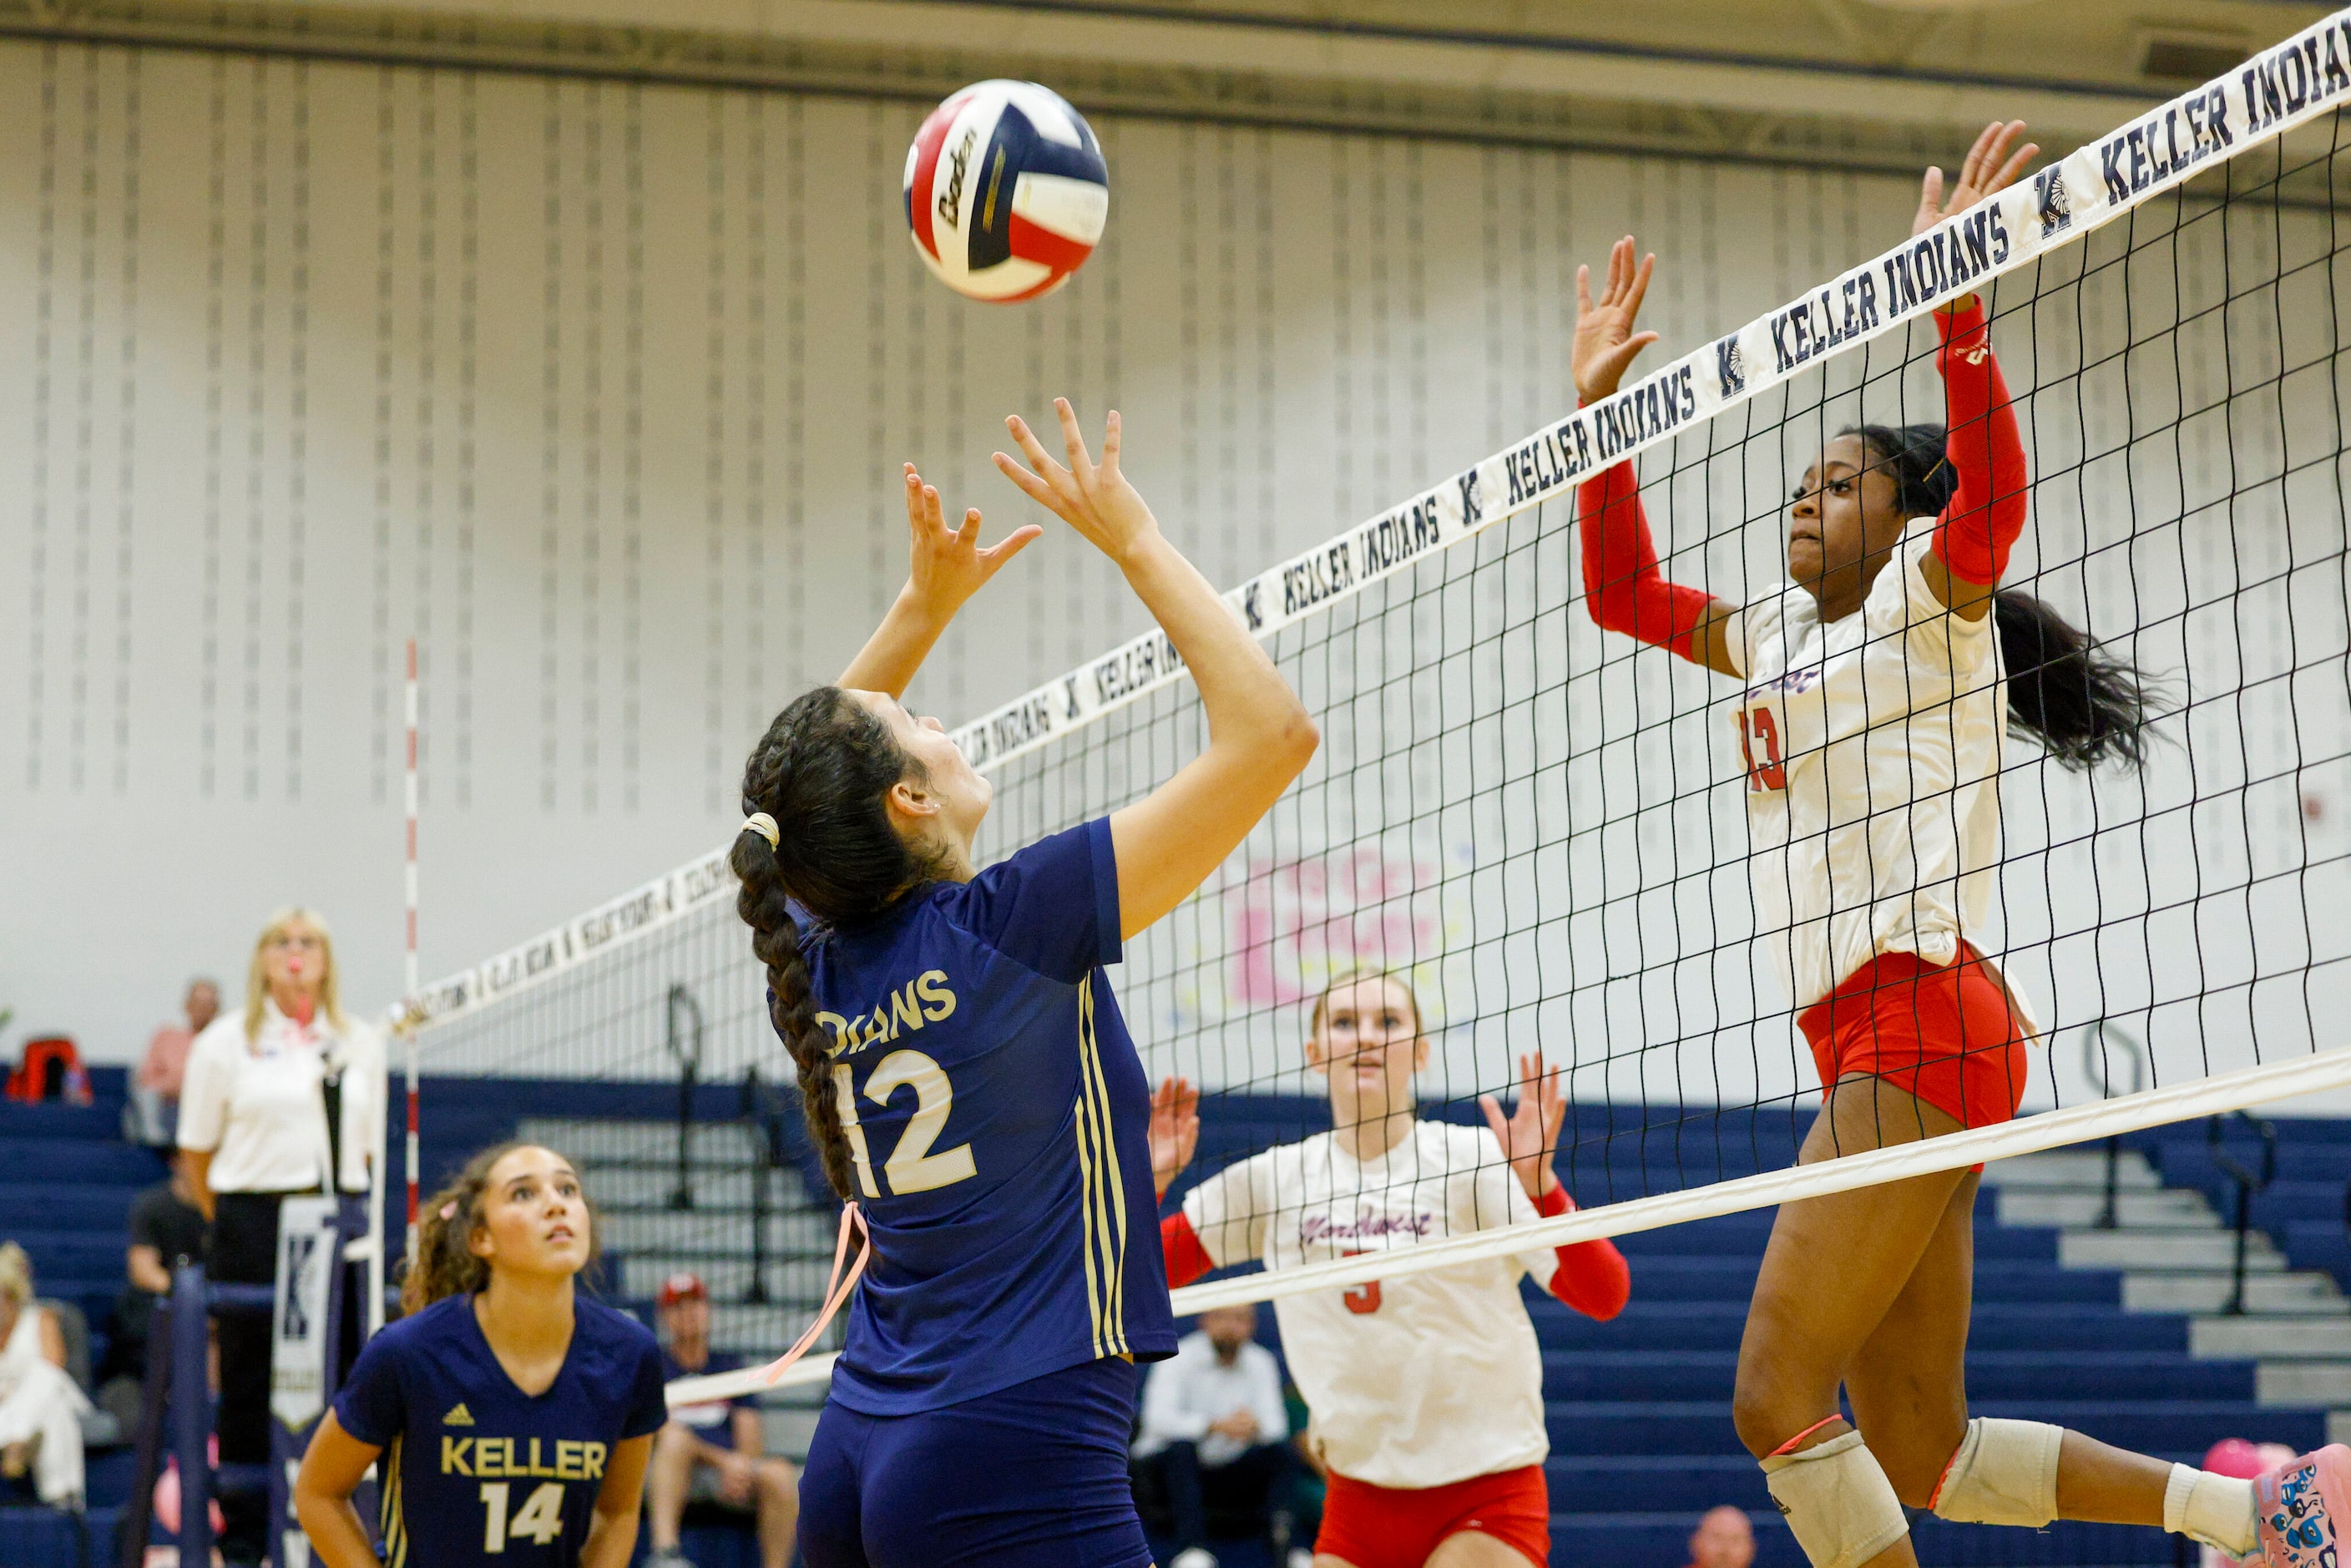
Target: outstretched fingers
x: 1640, y: 286
x: 1010, y: 545
x: 1081, y: 463
x: 1109, y: 469
x: 1930, y: 200
x: 2018, y: 161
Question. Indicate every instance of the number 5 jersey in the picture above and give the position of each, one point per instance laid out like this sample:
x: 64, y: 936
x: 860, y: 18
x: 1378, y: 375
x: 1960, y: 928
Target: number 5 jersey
x: 479, y: 1474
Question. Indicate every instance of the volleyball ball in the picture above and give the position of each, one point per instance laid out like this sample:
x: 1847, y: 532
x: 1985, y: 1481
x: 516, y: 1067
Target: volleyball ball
x: 1006, y: 191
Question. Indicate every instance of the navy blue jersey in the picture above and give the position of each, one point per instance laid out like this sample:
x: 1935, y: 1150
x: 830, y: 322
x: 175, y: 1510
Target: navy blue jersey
x: 997, y: 1119
x: 479, y: 1474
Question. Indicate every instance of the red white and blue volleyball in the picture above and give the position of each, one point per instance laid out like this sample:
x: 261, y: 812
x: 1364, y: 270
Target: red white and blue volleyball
x: 1006, y: 191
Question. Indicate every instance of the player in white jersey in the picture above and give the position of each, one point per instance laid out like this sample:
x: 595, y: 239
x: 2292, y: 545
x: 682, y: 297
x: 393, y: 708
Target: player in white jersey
x: 1879, y: 684
x: 1426, y: 1392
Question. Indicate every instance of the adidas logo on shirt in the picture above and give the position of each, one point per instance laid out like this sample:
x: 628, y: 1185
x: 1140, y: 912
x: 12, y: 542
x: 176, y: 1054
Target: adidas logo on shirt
x: 458, y: 1416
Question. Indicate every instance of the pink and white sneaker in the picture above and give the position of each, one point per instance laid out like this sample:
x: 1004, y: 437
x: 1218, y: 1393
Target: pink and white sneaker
x: 2301, y: 1508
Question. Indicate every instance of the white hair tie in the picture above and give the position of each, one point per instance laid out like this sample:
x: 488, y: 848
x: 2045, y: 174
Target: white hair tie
x: 764, y: 825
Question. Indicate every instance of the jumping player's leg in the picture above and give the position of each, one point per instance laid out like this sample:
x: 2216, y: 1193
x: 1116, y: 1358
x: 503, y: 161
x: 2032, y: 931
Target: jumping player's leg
x: 1908, y: 1383
x: 1905, y: 1375
x: 1832, y: 1271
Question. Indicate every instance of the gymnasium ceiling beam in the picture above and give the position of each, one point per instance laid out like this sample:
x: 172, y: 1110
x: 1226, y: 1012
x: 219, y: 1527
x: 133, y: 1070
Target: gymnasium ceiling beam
x: 1844, y: 83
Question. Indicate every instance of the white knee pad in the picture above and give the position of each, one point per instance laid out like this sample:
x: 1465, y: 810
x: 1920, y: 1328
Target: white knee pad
x: 2005, y: 1472
x: 1838, y: 1501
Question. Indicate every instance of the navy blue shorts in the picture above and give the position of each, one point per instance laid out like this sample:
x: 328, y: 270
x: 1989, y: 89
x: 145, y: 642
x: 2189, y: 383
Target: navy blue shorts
x: 1034, y: 1476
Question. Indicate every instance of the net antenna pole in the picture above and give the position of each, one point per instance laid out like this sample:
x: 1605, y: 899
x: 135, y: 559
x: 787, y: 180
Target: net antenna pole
x: 409, y: 980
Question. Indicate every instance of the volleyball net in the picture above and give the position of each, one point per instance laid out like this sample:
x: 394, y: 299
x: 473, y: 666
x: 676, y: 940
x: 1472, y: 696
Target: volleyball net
x: 1544, y: 827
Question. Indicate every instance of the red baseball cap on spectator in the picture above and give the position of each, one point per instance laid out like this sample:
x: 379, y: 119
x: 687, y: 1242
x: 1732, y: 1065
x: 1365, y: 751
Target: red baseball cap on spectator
x: 682, y: 1286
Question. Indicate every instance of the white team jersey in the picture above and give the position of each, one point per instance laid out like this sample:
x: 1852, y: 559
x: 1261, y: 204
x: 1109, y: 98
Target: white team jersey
x: 1415, y: 1382
x: 1873, y: 750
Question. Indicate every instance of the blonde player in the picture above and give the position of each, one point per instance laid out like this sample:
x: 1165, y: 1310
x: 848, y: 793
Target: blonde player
x: 1880, y: 683
x: 1426, y: 1392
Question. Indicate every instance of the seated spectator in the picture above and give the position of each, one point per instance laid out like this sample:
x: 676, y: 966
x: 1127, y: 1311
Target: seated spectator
x: 711, y: 1453
x: 167, y: 1230
x: 1216, y: 1433
x: 153, y: 1113
x: 40, y: 1406
x: 1725, y: 1538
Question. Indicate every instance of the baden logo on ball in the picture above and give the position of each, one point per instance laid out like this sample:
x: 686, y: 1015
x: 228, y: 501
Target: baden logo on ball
x: 1006, y: 191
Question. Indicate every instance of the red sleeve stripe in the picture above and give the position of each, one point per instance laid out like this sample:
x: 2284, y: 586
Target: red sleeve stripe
x: 1590, y: 1275
x: 1186, y: 1258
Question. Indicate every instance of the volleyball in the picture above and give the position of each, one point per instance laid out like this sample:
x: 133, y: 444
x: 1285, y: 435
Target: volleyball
x: 1006, y: 191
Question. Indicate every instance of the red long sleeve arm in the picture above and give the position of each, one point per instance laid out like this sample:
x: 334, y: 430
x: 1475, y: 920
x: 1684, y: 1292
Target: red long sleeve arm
x: 1592, y: 1276
x: 1986, y: 513
x: 1186, y: 1258
x: 1623, y: 588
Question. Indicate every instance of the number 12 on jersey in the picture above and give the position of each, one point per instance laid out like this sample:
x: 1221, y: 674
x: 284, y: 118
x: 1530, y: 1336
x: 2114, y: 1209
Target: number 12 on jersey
x: 911, y: 1168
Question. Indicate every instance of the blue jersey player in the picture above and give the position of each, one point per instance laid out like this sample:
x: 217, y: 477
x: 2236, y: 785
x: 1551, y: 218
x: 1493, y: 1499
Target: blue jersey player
x: 514, y: 1416
x: 964, y: 1066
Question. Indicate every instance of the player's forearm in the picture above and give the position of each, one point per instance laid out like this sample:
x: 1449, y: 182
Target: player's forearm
x: 337, y: 1536
x: 895, y: 653
x: 611, y: 1539
x: 1248, y: 703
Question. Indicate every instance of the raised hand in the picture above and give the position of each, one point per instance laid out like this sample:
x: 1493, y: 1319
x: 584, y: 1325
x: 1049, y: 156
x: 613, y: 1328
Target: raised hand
x: 1990, y: 167
x: 1605, y: 343
x: 1530, y: 1133
x: 1175, y: 1131
x: 1093, y: 498
x: 949, y: 566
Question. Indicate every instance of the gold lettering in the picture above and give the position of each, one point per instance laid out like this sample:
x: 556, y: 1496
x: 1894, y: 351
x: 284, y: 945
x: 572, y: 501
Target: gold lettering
x: 592, y: 1460
x: 452, y: 1455
x: 883, y: 1029
x: 904, y: 1010
x: 536, y: 1467
x: 566, y: 1459
x: 835, y: 1022
x: 493, y: 1456
x: 938, y: 1002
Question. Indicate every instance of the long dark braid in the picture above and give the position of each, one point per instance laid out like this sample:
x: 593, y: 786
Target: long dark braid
x: 822, y: 772
x: 2082, y: 702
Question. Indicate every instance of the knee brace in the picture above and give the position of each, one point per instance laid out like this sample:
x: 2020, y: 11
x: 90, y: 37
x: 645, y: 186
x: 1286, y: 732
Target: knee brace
x: 2004, y: 1472
x: 1838, y: 1501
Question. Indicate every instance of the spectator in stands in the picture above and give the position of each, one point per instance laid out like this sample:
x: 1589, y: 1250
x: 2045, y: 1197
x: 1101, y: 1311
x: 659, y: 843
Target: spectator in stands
x: 40, y: 1406
x: 1216, y: 1433
x: 1725, y: 1538
x: 154, y: 1109
x: 280, y: 1099
x: 712, y: 1452
x: 167, y: 1230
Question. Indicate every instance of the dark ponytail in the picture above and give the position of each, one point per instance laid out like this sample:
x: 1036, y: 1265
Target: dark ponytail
x: 822, y: 772
x: 2068, y: 692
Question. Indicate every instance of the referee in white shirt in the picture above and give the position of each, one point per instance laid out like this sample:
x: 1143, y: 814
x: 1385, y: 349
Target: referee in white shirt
x: 1214, y: 1427
x: 279, y: 1100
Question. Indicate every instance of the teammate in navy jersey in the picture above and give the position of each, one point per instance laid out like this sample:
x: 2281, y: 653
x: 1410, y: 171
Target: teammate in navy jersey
x: 963, y: 1064
x: 515, y: 1416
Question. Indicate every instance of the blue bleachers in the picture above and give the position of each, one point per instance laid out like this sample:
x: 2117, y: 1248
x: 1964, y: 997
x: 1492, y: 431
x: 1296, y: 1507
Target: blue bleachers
x: 65, y: 1185
x: 1639, y: 1408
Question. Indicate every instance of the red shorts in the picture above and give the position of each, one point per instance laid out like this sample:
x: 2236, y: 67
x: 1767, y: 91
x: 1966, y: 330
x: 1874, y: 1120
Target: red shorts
x: 1948, y: 1035
x: 1398, y: 1527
